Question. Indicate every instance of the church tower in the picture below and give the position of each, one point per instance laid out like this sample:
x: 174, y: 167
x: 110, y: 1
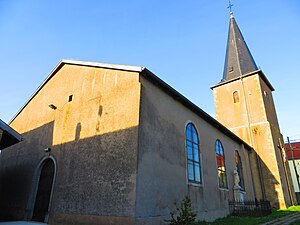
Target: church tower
x: 244, y: 104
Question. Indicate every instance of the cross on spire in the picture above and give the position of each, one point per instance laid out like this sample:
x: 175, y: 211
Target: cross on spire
x: 230, y: 7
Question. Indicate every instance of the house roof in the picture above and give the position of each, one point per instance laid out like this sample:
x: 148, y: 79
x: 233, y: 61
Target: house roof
x: 293, y: 150
x: 8, y: 136
x: 149, y: 76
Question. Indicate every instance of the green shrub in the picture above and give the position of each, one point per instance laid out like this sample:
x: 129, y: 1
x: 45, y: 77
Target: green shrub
x: 183, y: 215
x: 295, y: 208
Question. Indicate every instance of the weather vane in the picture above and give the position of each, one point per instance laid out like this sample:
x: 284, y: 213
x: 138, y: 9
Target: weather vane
x: 230, y: 7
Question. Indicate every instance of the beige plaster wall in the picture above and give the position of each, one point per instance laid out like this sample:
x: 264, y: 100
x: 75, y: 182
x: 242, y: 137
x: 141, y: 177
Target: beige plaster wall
x: 162, y: 170
x: 92, y: 89
x: 254, y: 120
x: 93, y: 140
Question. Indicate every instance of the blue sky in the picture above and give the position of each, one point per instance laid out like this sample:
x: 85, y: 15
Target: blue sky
x: 182, y: 42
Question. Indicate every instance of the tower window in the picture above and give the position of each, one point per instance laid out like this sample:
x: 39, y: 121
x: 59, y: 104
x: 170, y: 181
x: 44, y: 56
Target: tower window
x: 230, y: 69
x: 236, y: 97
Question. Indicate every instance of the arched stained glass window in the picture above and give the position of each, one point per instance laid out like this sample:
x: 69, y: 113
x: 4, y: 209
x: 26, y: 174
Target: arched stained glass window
x: 239, y: 167
x: 193, y: 155
x: 221, y: 165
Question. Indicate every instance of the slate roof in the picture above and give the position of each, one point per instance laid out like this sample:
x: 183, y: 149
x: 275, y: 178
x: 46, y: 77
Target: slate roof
x: 238, y: 60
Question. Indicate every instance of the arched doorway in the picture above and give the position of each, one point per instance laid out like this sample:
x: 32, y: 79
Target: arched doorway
x: 44, y: 191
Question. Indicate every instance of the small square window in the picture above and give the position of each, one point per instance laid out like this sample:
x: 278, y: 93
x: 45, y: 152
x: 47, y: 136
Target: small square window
x: 70, y: 98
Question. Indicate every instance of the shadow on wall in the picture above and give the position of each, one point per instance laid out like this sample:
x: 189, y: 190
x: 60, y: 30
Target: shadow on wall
x: 273, y: 187
x: 17, y: 165
x: 78, y: 130
x: 95, y: 175
x: 268, y: 187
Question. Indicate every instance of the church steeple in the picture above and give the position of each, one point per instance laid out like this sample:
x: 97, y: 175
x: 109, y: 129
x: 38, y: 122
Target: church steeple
x: 244, y: 104
x: 238, y: 60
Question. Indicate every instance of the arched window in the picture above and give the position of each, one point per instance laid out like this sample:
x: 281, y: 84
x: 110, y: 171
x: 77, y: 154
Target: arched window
x: 238, y: 164
x: 236, y: 97
x: 193, y: 154
x: 221, y: 165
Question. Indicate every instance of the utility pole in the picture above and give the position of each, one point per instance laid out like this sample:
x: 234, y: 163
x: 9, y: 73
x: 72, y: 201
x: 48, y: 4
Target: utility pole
x: 295, y: 168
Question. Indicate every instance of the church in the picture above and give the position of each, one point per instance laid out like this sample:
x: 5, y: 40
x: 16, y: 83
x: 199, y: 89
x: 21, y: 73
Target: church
x: 114, y: 144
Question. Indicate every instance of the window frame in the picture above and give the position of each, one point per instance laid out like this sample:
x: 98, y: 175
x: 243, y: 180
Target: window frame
x: 194, y: 163
x: 219, y: 146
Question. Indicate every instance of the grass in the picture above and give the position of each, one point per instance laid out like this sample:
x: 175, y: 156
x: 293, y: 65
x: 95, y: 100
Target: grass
x: 297, y: 222
x: 245, y: 220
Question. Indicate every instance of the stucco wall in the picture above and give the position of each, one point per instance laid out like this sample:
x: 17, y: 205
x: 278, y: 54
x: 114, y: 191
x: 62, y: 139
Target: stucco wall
x: 254, y: 120
x: 293, y: 173
x: 162, y: 173
x: 93, y: 140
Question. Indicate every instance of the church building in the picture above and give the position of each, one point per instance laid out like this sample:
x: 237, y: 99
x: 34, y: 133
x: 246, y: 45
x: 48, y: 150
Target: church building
x: 114, y: 144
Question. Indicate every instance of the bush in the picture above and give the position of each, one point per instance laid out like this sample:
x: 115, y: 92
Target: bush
x: 183, y: 215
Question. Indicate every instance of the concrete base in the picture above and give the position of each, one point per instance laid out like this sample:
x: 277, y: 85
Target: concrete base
x: 76, y: 219
x: 238, y: 194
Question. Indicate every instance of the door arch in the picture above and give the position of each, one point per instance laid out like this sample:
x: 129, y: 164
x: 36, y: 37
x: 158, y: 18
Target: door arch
x: 43, y: 183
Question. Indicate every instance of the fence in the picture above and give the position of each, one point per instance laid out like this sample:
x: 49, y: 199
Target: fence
x: 250, y: 208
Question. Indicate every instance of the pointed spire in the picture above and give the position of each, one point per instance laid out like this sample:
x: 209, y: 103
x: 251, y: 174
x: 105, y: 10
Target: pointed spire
x: 238, y: 60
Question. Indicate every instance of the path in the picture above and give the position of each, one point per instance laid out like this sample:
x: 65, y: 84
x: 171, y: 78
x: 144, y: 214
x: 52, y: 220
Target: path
x: 284, y: 220
x: 21, y: 223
